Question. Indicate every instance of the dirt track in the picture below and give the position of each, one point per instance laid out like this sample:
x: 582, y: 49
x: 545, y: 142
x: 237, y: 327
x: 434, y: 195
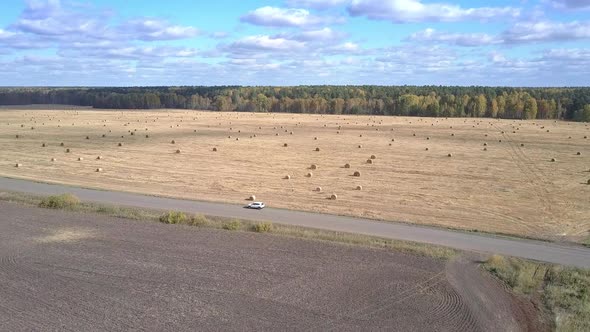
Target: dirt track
x: 63, y: 271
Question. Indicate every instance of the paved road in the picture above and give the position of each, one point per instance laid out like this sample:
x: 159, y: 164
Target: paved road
x: 542, y: 251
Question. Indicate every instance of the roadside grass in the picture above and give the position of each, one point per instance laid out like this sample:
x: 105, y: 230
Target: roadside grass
x: 63, y: 201
x: 565, y: 291
x: 215, y: 222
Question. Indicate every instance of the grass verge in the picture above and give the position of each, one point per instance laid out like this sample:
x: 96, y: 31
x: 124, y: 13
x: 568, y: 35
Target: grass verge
x: 565, y: 291
x: 214, y: 222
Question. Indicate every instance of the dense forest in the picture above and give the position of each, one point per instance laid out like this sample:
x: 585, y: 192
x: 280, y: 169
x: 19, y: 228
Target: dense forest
x: 445, y: 101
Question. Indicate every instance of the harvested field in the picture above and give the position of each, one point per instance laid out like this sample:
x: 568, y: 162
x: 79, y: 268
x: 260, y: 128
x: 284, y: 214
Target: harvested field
x: 513, y: 187
x: 68, y: 271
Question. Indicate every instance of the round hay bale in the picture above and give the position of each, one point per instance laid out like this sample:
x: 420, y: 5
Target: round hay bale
x: 334, y: 197
x: 68, y: 150
x: 252, y: 198
x: 43, y: 145
x: 579, y: 153
x: 99, y: 158
x: 214, y: 149
x: 359, y: 187
x: 485, y: 144
x: 17, y: 165
x: 393, y: 139
x: 173, y: 142
x: 428, y: 138
x: 80, y: 158
x: 147, y: 136
x: 390, y: 144
x: 285, y: 145
x: 356, y: 174
x: 103, y: 135
x: 53, y: 159
x: 346, y: 165
x: 450, y: 155
x: 553, y: 160
x: 287, y: 177
x: 485, y: 149
x: 237, y: 138
x: 317, y: 149
x: 360, y: 135
x: 315, y: 138
x: 453, y: 134
x: 373, y: 156
x: 120, y: 144
x: 98, y: 170
x: 178, y: 151
x: 369, y: 161
x: 589, y: 181
x: 291, y: 133
x: 426, y: 149
x: 318, y: 189
x: 360, y: 146
x: 309, y: 175
x: 313, y: 166
x: 521, y: 144
x: 61, y: 144
x: 413, y: 134
x: 585, y: 137
x: 500, y: 140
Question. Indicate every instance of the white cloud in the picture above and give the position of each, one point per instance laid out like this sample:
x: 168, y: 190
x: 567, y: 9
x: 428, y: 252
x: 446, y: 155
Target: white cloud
x: 262, y: 42
x: 545, y: 31
x: 570, y: 4
x: 317, y: 4
x: 155, y: 29
x: 326, y: 35
x: 286, y: 17
x: 459, y: 39
x: 404, y: 11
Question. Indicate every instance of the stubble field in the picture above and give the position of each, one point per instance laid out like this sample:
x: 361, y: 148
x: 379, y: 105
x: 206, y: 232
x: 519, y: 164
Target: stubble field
x: 483, y: 174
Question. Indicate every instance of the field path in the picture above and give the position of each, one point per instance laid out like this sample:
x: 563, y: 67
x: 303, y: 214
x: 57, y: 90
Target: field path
x: 565, y: 254
x: 492, y: 306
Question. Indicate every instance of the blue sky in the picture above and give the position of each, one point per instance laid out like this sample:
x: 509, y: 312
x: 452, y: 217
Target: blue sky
x: 293, y: 42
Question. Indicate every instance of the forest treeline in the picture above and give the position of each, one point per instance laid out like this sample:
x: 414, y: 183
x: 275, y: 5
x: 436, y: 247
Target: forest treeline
x: 433, y: 101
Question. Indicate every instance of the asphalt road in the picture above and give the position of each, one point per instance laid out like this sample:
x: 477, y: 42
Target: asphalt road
x: 564, y: 254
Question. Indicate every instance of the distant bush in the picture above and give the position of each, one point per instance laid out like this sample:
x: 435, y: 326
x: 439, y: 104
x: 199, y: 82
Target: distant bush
x: 232, y: 225
x: 199, y: 220
x: 174, y: 217
x: 64, y: 201
x: 263, y: 227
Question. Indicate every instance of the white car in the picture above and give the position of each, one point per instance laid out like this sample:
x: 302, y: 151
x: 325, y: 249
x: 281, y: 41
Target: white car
x: 256, y: 205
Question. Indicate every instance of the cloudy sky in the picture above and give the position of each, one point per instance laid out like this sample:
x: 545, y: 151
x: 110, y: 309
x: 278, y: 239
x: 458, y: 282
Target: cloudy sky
x: 292, y: 42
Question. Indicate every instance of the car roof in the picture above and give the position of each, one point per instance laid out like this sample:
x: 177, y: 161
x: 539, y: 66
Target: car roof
x: 258, y: 203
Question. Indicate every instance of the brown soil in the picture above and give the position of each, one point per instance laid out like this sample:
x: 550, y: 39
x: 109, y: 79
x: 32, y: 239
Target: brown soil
x: 66, y: 271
